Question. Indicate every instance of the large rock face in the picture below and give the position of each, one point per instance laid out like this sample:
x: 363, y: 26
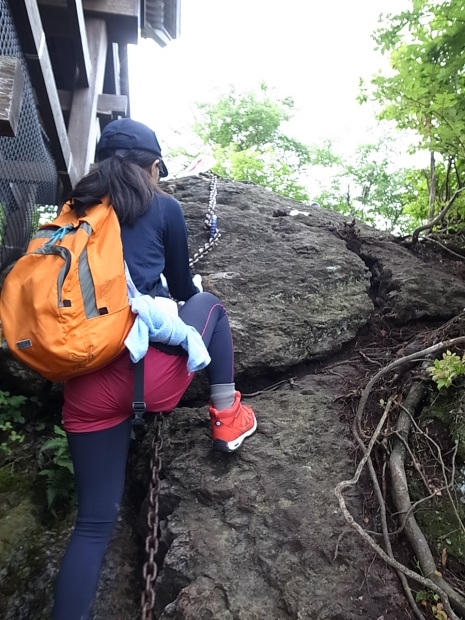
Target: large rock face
x: 255, y: 536
x: 258, y: 535
x: 293, y: 292
x: 298, y: 287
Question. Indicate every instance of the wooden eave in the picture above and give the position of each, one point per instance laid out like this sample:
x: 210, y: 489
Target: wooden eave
x: 160, y: 20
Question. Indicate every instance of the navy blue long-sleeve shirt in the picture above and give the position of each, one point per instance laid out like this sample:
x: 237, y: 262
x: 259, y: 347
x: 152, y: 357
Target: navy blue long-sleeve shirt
x: 157, y: 243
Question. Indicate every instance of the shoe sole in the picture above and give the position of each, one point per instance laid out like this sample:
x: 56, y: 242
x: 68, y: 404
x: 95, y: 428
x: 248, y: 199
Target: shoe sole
x: 231, y: 446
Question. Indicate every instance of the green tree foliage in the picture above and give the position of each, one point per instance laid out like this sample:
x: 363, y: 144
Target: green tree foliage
x: 367, y: 187
x: 427, y: 89
x: 425, y: 92
x: 244, y: 132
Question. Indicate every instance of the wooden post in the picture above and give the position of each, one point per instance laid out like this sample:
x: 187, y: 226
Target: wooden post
x: 81, y: 129
x: 76, y: 15
x: 11, y: 94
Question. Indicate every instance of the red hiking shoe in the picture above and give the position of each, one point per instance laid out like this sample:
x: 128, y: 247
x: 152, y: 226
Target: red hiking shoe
x: 231, y: 426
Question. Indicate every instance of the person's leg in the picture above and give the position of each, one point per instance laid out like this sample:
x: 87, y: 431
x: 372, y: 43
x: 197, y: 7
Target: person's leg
x: 232, y: 421
x: 206, y: 313
x: 99, y: 460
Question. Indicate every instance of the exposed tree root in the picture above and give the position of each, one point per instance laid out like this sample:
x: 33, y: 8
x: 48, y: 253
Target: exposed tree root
x: 433, y: 579
x: 445, y: 248
x: 384, y: 525
x: 402, y: 498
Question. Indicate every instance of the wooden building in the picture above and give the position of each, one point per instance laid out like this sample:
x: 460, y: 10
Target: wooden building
x: 63, y: 76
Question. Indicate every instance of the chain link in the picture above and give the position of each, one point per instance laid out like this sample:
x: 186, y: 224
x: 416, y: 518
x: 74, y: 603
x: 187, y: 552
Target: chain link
x: 150, y: 570
x: 211, y: 201
x: 209, y: 224
x: 201, y: 252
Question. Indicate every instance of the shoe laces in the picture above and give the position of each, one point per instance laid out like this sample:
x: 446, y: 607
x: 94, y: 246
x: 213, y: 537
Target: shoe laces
x: 244, y: 413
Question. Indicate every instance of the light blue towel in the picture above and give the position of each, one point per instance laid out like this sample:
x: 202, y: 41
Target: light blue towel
x: 153, y: 323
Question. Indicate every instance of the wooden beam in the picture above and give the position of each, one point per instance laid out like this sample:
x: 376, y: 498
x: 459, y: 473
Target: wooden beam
x: 112, y: 106
x: 82, y: 127
x: 81, y: 48
x: 112, y: 70
x: 29, y: 26
x: 173, y: 18
x: 124, y: 72
x: 108, y: 106
x: 66, y: 99
x: 11, y: 94
x: 122, y: 16
x: 128, y: 8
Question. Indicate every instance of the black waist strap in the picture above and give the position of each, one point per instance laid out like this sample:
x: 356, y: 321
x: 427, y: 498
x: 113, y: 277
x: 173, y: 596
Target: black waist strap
x: 138, y: 405
x: 169, y: 348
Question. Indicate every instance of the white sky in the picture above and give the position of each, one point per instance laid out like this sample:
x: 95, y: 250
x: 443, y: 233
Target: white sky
x: 313, y: 50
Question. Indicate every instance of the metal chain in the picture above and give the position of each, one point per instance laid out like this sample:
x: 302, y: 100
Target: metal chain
x: 210, y: 224
x: 150, y: 570
x: 211, y: 201
x: 201, y: 252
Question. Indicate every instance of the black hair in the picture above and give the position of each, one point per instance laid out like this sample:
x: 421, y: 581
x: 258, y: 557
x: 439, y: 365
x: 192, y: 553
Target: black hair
x: 122, y: 176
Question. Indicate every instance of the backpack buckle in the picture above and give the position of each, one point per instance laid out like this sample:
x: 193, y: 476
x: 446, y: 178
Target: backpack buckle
x: 138, y: 410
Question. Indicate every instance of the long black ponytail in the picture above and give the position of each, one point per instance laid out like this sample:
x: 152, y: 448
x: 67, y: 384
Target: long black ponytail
x: 122, y: 176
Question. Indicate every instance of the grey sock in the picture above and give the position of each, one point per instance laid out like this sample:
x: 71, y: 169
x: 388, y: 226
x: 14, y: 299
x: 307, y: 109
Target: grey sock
x: 222, y: 395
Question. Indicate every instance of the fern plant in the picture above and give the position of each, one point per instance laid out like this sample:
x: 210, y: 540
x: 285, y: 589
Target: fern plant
x: 59, y: 473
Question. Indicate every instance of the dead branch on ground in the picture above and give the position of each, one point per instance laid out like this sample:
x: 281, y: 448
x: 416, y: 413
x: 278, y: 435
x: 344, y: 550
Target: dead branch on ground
x: 436, y: 583
x: 445, y: 248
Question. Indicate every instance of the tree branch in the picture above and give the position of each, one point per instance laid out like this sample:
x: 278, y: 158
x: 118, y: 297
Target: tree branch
x: 429, y: 225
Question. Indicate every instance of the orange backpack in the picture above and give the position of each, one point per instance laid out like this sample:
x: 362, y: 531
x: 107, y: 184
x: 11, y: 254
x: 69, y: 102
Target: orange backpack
x: 64, y: 306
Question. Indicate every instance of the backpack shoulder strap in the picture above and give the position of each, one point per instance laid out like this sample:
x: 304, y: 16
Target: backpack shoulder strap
x: 94, y: 215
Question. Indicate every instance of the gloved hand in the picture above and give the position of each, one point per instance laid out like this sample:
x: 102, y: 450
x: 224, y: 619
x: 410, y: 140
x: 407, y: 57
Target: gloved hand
x: 164, y: 282
x: 197, y: 280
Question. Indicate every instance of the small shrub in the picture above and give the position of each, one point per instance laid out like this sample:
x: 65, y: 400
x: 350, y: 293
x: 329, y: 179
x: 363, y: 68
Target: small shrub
x: 445, y: 370
x: 10, y: 415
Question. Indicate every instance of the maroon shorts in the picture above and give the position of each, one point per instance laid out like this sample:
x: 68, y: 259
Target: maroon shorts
x: 103, y: 398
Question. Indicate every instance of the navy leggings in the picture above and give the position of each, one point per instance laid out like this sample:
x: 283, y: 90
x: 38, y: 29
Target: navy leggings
x: 99, y: 460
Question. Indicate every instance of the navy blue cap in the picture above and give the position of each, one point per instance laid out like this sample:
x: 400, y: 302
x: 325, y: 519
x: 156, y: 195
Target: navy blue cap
x: 125, y: 133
